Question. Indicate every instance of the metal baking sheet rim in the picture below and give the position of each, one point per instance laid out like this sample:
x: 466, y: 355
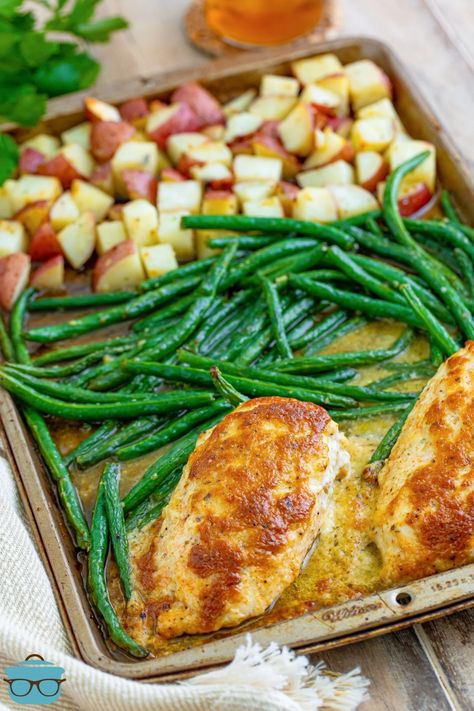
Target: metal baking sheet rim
x: 346, y: 623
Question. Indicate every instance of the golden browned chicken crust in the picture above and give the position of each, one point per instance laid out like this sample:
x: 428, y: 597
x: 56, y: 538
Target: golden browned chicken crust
x: 425, y: 512
x: 241, y: 521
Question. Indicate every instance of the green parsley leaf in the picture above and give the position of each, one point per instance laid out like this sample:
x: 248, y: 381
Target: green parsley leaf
x: 9, y: 156
x: 63, y: 75
x: 100, y: 31
x: 9, y: 7
x: 21, y: 103
x: 36, y: 49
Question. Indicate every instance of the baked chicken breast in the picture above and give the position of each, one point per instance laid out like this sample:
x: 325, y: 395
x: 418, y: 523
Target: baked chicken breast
x: 240, y: 523
x: 425, y: 511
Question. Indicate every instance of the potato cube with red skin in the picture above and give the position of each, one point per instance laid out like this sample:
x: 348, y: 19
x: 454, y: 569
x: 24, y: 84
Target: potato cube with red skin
x: 311, y: 69
x: 215, y: 202
x: 158, y: 259
x: 44, y: 244
x: 342, y: 125
x: 243, y: 124
x: 316, y: 205
x: 30, y: 160
x: 171, y: 232
x: 141, y: 222
x: 239, y: 103
x: 31, y: 188
x: 337, y: 173
x: 275, y: 85
x: 118, y: 269
x: 297, y: 130
x: 140, y: 184
x: 268, y: 207
x: 322, y: 99
x: 135, y: 155
x: 381, y: 108
x: 107, y: 136
x: 171, y: 175
x: 241, y: 146
x: 214, y: 133
x: 202, y: 103
x: 329, y: 148
x: 337, y: 84
x: 272, y: 108
x: 179, y: 144
x: 177, y: 118
x: 43, y: 143
x: 371, y: 168
x: 287, y: 192
x: 14, y: 276
x: 13, y: 237
x: 210, y: 152
x: 401, y: 151
x: 88, y: 198
x: 77, y: 240
x: 109, y: 234
x: 352, y: 200
x: 412, y: 198
x: 134, y: 111
x: 33, y: 215
x: 372, y: 134
x: 97, y: 110
x: 59, y: 167
x: 215, y: 173
x: 269, y: 147
x: 184, y: 196
x: 80, y: 134
x: 254, y: 168
x: 103, y: 178
x: 253, y: 189
x: 50, y: 275
x: 6, y: 210
x: 367, y: 83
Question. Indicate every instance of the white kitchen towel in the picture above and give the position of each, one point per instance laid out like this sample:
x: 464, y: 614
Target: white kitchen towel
x: 257, y: 680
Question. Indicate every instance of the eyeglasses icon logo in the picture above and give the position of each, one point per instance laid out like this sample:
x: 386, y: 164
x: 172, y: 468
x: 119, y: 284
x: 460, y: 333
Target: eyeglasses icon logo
x: 34, y: 681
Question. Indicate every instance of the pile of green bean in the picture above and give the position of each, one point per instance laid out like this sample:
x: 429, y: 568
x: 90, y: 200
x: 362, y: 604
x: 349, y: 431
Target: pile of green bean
x: 250, y: 321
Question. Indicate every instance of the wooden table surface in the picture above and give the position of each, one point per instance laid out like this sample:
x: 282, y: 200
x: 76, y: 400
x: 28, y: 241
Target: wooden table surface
x: 428, y: 667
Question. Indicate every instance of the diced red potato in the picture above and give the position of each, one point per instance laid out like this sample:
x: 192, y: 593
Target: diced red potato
x: 337, y: 84
x: 352, y: 200
x: 6, y: 210
x: 183, y: 196
x: 312, y: 69
x: 215, y: 132
x: 170, y: 232
x: 14, y: 276
x: 372, y: 134
x: 242, y: 146
x: 135, y: 155
x: 287, y: 193
x: 59, y: 167
x: 88, y: 198
x: 381, y: 108
x: 214, y: 173
x: 118, y: 269
x: 77, y: 240
x: 322, y: 99
x: 316, y: 205
x: 107, y: 136
x: 171, y: 175
x: 158, y: 259
x: 156, y: 105
x: 239, y: 103
x: 269, y: 128
x: 177, y: 118
x: 367, y: 83
x: 134, y: 111
x: 342, y: 125
x: 44, y: 244
x: 50, y: 275
x: 337, y: 173
x: 272, y: 108
x: 179, y: 144
x: 80, y: 134
x: 13, y: 237
x: 202, y: 103
x: 254, y: 189
x: 413, y: 198
x: 97, y: 110
x: 141, y: 222
x: 103, y: 178
x: 371, y: 168
x: 329, y: 147
x: 109, y: 234
x: 402, y: 150
x: 275, y: 85
x: 30, y: 160
x: 33, y: 215
x: 252, y: 168
x: 210, y: 152
x: 268, y: 207
x: 79, y: 158
x: 269, y: 147
x: 43, y: 143
x: 215, y: 202
x: 140, y: 184
x: 243, y: 124
x: 297, y: 130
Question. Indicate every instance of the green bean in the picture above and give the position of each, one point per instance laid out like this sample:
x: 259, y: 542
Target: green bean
x: 252, y: 324
x: 314, y: 364
x: 252, y: 388
x: 436, y: 330
x: 175, y: 457
x: 467, y: 270
x: 96, y: 578
x: 157, y: 318
x: 278, y: 225
x: 468, y: 231
x: 401, y: 367
x: 6, y: 346
x: 60, y: 475
x: 357, y: 302
x: 17, y: 317
x: 317, y: 384
x: 226, y: 389
x: 388, y: 442
x: 151, y: 508
x: 276, y: 317
x: 360, y: 219
x: 328, y: 323
x: 414, y: 373
x: 436, y: 354
x: 357, y: 273
x: 328, y: 337
x: 326, y: 275
x: 448, y: 207
x: 131, y: 432
x: 83, y: 349
x: 449, y: 233
x: 224, y: 314
x: 297, y: 263
x: 339, y: 376
x: 138, y: 306
x: 172, y: 431
x: 62, y: 371
x: 245, y: 241
x: 80, y: 301
x: 120, y: 410
x: 116, y: 524
x: 370, y: 411
x: 443, y: 254
x: 193, y: 269
x: 374, y: 227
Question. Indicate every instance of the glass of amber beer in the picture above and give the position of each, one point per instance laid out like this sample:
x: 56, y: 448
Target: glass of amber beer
x: 262, y: 22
